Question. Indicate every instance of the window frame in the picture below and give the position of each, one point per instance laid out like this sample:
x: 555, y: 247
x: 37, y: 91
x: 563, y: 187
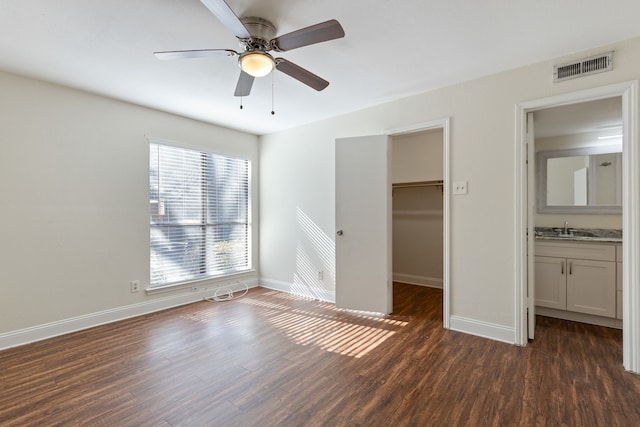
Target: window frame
x: 204, y: 223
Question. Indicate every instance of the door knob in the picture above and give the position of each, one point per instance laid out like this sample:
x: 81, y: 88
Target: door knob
x: 339, y: 232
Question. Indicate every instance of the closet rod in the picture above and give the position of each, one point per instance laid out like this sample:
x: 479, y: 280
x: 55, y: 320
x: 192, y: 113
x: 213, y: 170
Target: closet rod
x: 437, y: 183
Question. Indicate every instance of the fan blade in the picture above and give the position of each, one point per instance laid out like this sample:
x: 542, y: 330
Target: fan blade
x: 201, y: 53
x: 318, y: 33
x: 300, y: 74
x: 245, y: 81
x: 223, y: 12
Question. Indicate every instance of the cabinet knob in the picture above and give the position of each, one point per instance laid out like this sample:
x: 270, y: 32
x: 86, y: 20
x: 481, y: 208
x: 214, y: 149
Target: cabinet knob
x: 339, y: 232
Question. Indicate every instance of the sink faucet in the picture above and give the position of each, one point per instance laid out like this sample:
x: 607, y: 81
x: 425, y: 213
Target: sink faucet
x: 566, y: 228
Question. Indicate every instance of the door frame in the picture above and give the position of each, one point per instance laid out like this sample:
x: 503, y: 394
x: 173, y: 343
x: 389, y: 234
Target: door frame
x: 628, y: 91
x: 443, y: 124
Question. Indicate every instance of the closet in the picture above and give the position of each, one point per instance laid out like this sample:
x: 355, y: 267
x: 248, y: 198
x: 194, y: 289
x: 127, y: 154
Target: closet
x: 418, y: 208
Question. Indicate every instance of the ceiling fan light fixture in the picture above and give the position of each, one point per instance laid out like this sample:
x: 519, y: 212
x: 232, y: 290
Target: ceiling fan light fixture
x: 257, y: 64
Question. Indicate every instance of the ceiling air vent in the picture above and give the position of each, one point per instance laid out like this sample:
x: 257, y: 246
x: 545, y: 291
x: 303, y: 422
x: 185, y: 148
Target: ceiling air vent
x: 583, y: 67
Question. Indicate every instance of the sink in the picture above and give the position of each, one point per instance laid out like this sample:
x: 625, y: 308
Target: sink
x: 554, y: 232
x: 559, y: 232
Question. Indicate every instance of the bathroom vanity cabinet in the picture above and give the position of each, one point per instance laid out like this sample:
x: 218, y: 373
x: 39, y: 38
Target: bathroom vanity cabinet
x: 577, y: 277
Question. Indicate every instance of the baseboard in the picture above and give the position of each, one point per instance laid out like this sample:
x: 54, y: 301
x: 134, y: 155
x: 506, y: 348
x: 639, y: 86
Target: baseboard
x: 412, y: 279
x: 49, y: 330
x: 298, y: 289
x: 483, y: 329
x: 61, y: 327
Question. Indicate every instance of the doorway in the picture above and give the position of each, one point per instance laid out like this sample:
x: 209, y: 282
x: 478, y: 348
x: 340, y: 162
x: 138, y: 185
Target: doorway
x: 525, y: 218
x: 439, y: 130
x: 417, y: 208
x: 363, y: 242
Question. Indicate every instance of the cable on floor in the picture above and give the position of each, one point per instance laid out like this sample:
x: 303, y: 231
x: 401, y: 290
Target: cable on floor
x: 226, y: 294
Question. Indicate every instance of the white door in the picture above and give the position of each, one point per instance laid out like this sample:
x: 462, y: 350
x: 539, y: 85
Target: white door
x: 363, y: 224
x: 531, y: 280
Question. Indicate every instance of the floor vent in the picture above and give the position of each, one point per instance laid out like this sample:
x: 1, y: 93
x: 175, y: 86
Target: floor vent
x: 583, y: 67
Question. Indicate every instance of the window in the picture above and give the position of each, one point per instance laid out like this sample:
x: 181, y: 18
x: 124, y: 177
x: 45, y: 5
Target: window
x: 199, y: 214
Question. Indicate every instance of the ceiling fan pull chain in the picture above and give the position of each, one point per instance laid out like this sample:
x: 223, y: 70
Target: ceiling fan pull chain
x: 241, y: 107
x: 273, y: 112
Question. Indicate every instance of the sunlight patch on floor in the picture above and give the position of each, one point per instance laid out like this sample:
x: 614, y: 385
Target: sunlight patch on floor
x: 349, y: 339
x: 337, y: 331
x: 202, y: 316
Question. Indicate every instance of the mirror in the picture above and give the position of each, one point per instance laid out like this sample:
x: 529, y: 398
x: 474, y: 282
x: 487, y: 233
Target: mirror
x: 580, y: 180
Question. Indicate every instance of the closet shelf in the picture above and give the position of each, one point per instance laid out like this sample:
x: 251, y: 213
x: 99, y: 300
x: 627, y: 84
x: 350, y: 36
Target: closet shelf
x: 424, y: 212
x: 419, y: 184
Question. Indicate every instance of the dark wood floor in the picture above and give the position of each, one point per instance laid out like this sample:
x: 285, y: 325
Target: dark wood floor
x: 271, y: 359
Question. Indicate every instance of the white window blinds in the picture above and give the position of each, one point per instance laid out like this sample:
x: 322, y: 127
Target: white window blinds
x: 199, y: 214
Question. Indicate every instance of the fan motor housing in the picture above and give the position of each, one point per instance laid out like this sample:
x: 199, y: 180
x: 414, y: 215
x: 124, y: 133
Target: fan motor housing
x: 261, y: 30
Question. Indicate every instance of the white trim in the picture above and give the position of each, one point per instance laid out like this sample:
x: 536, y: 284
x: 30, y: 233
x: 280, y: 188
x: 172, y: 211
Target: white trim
x: 445, y: 125
x: 483, y: 329
x: 203, y: 283
x: 630, y: 211
x: 299, y: 289
x: 74, y: 324
x: 412, y: 279
x: 631, y: 227
x: 521, y: 222
x: 416, y: 127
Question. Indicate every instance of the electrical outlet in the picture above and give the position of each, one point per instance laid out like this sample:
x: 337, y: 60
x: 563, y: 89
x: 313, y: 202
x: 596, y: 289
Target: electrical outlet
x: 135, y: 286
x: 320, y: 275
x: 460, y: 187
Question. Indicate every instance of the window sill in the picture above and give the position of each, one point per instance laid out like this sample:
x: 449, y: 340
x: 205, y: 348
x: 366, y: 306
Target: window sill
x: 201, y: 284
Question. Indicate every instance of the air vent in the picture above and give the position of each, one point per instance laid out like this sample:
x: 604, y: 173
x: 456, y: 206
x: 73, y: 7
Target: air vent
x: 583, y: 67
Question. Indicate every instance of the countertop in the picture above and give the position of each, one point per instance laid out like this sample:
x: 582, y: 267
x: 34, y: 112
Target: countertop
x: 579, y: 234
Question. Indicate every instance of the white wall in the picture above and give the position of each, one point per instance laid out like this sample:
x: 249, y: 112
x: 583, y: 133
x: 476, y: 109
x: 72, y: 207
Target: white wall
x: 417, y: 236
x: 74, y: 183
x: 297, y: 217
x: 417, y: 156
x: 297, y: 168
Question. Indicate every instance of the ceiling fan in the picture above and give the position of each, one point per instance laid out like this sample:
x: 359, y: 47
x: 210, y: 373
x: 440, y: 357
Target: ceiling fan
x: 257, y: 39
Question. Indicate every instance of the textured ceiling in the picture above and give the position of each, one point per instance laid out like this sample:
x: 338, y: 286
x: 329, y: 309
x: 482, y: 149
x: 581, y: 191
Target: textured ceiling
x: 392, y: 49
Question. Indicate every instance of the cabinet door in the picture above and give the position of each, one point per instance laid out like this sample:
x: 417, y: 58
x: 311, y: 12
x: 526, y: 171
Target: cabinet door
x: 551, y: 282
x: 591, y: 287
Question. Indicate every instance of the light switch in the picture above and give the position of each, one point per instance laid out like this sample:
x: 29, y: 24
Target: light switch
x: 460, y: 187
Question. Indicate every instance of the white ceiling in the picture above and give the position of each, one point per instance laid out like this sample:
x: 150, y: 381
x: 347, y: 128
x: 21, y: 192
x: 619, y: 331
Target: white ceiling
x: 392, y: 49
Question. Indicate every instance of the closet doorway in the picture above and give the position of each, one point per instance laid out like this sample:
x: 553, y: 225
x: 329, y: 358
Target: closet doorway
x: 418, y: 207
x: 358, y: 287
